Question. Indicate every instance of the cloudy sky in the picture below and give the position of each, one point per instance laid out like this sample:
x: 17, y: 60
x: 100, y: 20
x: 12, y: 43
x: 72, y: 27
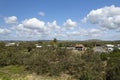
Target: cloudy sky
x: 61, y: 19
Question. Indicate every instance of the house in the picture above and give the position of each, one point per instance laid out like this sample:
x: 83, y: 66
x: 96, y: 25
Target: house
x: 110, y: 47
x: 38, y: 46
x: 49, y: 45
x: 69, y: 48
x: 17, y: 44
x: 118, y: 46
x: 80, y: 47
x: 98, y: 45
x: 10, y: 44
x: 99, y: 49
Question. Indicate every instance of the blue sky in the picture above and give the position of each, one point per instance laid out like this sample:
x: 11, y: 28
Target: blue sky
x: 61, y: 19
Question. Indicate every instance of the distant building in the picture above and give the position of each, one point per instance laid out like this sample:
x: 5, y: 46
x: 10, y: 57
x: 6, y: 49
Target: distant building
x: 17, y: 44
x: 69, y: 48
x: 38, y: 46
x: 97, y: 45
x: 110, y: 47
x: 118, y: 46
x: 10, y: 44
x: 49, y: 45
x: 99, y: 49
x: 80, y: 47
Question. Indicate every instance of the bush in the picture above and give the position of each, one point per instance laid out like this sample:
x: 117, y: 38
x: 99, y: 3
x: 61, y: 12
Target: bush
x: 84, y: 77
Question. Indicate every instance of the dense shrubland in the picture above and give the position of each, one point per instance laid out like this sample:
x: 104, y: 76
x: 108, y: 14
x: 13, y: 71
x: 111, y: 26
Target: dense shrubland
x: 52, y: 61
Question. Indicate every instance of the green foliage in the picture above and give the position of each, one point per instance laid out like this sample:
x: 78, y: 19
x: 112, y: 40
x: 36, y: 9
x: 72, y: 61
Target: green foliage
x: 45, y: 61
x: 104, y: 56
x: 84, y: 77
x: 54, y: 61
x: 116, y: 50
x: 113, y: 67
x: 9, y: 72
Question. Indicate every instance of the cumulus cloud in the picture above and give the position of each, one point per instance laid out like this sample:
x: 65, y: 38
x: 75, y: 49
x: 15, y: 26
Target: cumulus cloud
x: 10, y: 20
x: 4, y: 31
x: 69, y: 24
x: 33, y: 23
x: 96, y: 32
x: 36, y: 28
x: 53, y: 26
x: 32, y: 27
x: 41, y: 13
x: 107, y: 17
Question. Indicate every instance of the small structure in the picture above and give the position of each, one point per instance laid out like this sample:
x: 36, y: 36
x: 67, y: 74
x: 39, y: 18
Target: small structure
x: 79, y: 47
x: 17, y: 44
x: 69, y: 48
x: 98, y: 45
x: 110, y: 47
x: 49, y: 45
x: 118, y: 46
x: 10, y: 44
x: 38, y: 46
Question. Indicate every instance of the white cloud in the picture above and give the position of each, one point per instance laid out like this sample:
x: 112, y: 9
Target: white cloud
x: 4, y: 31
x: 41, y: 13
x: 107, y: 17
x: 10, y: 20
x: 69, y: 24
x: 34, y: 28
x: 86, y: 33
x: 33, y: 23
x: 31, y: 28
x: 96, y: 32
x: 53, y: 26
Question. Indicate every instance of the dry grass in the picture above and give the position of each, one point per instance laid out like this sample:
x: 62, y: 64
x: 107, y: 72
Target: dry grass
x: 38, y: 77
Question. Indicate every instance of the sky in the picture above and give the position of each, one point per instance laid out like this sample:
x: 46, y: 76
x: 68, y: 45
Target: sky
x: 61, y: 19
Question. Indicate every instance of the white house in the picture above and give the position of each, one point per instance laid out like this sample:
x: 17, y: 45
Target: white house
x: 110, y: 47
x: 38, y: 46
x: 118, y: 46
x: 10, y: 44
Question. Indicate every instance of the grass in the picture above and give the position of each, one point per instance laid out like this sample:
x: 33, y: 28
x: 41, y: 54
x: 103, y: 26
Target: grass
x: 15, y: 72
x: 12, y: 71
x: 38, y: 77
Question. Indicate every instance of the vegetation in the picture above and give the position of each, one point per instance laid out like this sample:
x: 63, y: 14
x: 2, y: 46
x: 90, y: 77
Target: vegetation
x: 54, y: 61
